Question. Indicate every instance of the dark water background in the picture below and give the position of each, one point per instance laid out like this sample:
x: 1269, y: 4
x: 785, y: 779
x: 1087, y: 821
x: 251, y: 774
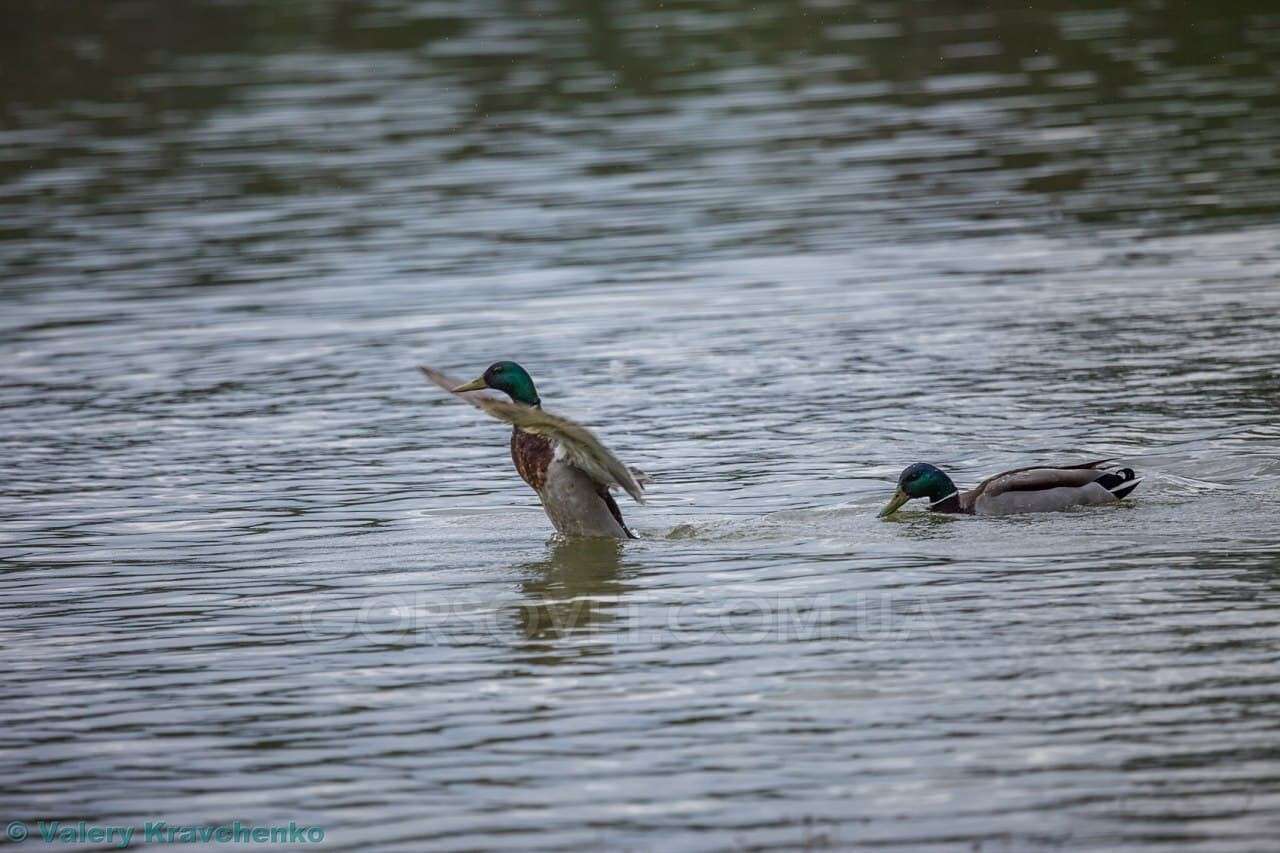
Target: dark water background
x: 254, y: 569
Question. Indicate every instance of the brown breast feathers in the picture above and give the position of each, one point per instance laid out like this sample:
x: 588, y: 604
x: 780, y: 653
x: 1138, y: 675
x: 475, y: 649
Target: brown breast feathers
x: 531, y: 454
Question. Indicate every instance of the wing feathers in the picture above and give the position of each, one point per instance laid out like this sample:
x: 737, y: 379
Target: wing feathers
x: 1041, y: 477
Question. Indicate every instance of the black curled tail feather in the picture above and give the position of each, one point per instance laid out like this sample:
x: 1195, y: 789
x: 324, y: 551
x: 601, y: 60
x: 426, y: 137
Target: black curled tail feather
x: 1119, y: 483
x: 1123, y: 493
x: 616, y: 512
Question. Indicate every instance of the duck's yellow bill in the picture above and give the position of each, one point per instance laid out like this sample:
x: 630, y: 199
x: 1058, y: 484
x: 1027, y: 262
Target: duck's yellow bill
x: 899, y: 498
x: 473, y: 385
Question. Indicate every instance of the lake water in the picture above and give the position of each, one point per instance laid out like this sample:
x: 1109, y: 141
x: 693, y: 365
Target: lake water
x: 255, y: 569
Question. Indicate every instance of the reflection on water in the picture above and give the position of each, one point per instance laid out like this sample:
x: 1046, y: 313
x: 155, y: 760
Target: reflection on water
x: 575, y: 589
x: 774, y: 251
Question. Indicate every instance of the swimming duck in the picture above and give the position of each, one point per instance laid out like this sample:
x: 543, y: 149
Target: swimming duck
x: 563, y: 462
x: 1033, y: 489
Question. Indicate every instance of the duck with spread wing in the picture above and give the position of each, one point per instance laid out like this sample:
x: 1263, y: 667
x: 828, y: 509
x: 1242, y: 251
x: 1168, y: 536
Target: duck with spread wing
x: 563, y: 462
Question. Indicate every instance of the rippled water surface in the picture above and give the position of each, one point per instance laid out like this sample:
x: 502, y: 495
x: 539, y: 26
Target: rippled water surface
x: 254, y: 568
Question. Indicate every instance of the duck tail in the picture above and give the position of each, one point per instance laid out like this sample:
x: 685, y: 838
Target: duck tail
x: 1119, y: 483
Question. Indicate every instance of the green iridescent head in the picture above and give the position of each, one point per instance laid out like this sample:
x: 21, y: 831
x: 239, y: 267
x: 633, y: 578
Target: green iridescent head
x: 920, y: 480
x: 509, y: 378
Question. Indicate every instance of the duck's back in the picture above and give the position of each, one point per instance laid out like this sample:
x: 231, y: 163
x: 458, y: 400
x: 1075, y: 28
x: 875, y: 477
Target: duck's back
x: 1047, y: 489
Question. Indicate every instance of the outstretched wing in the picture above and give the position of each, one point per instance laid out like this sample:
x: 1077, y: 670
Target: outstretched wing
x: 1037, y: 478
x: 448, y: 383
x: 576, y: 444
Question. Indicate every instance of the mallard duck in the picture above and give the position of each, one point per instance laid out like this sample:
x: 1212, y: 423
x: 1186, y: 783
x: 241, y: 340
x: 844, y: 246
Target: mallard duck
x: 1033, y: 489
x: 563, y: 462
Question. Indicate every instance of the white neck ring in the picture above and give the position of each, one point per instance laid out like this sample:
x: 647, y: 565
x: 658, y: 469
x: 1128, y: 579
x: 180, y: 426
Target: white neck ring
x: 940, y: 501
